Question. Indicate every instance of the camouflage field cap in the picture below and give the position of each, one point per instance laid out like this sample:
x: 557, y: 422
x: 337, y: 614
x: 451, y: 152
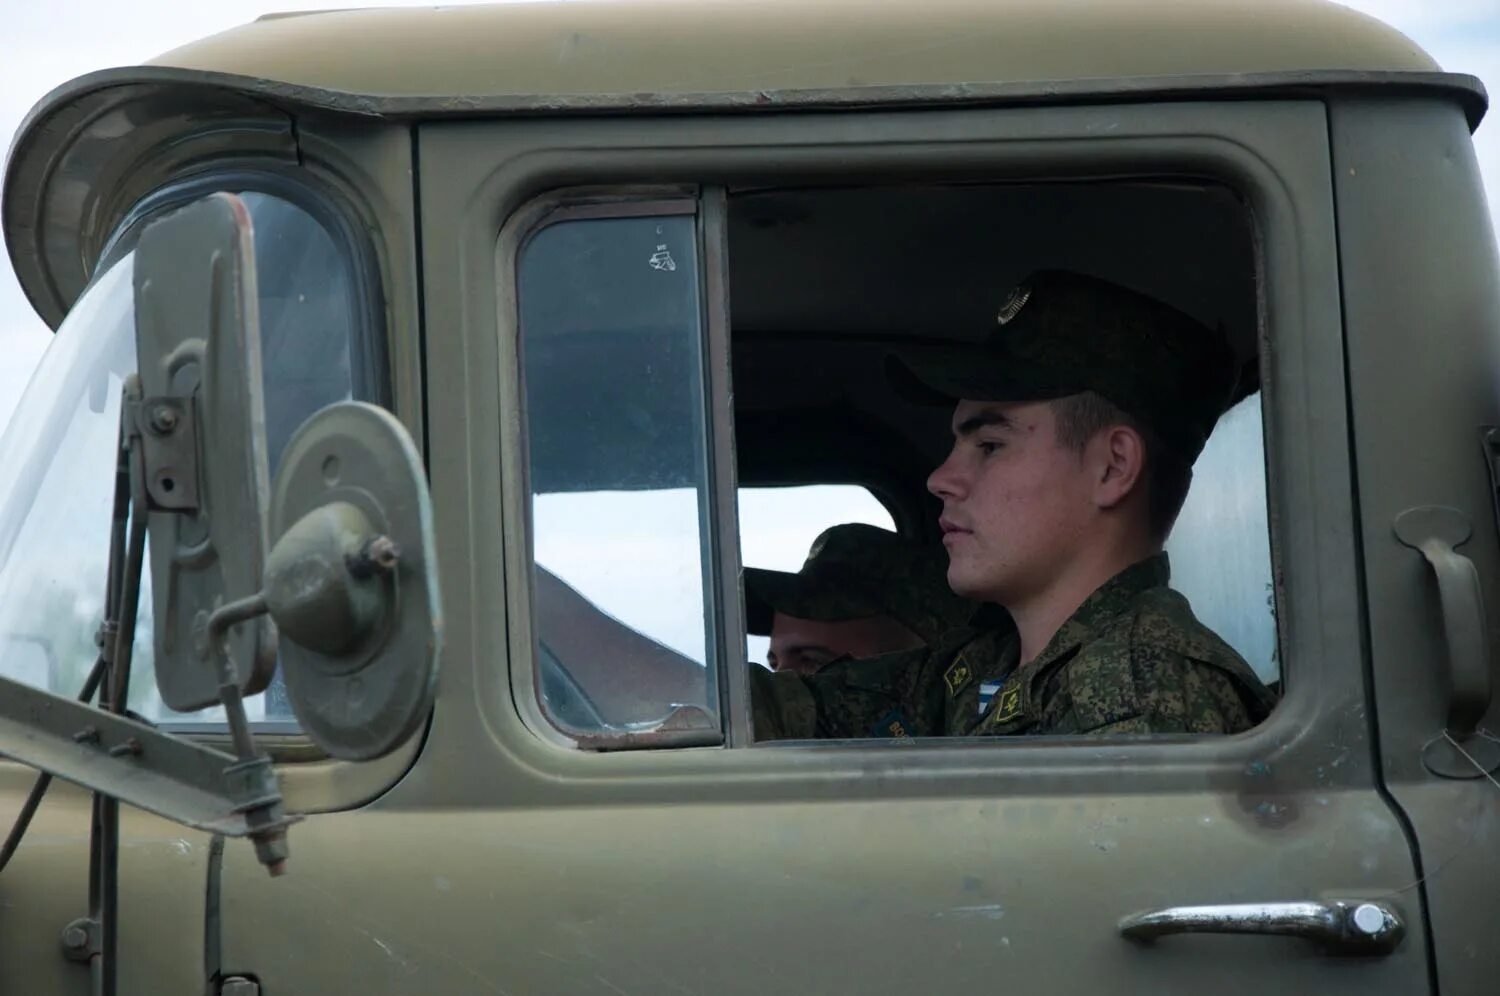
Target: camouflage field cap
x: 854, y: 571
x: 1060, y: 333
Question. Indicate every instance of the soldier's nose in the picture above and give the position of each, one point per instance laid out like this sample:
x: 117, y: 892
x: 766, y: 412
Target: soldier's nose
x: 944, y: 482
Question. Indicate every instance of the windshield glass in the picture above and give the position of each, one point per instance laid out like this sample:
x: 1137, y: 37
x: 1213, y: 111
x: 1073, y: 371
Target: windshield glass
x: 57, y: 454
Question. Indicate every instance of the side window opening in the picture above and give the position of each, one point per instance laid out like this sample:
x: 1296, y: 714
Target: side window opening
x: 826, y: 285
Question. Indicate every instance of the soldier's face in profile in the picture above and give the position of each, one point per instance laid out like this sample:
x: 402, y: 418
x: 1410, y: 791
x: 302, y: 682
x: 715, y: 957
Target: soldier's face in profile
x: 804, y: 645
x: 1015, y: 502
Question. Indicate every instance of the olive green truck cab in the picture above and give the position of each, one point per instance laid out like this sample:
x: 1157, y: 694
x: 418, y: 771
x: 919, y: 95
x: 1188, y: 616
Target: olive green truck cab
x: 373, y: 326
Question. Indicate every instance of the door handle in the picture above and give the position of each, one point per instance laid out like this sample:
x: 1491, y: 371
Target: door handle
x: 1459, y: 751
x: 1435, y: 530
x: 1368, y: 928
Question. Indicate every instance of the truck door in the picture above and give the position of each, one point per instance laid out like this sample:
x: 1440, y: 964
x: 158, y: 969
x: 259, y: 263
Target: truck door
x: 542, y: 843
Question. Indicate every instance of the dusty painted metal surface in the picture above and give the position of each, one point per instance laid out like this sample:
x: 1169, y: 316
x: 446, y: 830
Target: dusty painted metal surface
x: 661, y: 46
x: 521, y: 865
x: 661, y: 57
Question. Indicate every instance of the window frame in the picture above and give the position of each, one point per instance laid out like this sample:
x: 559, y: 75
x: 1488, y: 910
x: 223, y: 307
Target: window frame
x: 720, y: 542
x: 371, y: 368
x: 1274, y: 153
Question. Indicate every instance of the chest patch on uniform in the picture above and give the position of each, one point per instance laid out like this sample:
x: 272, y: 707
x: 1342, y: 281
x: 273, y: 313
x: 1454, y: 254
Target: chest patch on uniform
x: 892, y: 724
x: 957, y: 676
x: 1008, y: 702
x: 987, y: 692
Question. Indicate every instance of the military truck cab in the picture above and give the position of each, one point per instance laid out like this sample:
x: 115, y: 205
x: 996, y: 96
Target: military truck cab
x: 424, y: 379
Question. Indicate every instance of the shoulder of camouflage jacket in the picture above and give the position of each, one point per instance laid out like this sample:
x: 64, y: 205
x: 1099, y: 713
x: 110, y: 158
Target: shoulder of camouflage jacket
x: 1165, y: 617
x: 1158, y: 659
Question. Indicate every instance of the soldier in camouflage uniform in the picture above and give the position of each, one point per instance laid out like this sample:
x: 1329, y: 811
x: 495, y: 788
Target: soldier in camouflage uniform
x: 1076, y: 426
x: 862, y: 591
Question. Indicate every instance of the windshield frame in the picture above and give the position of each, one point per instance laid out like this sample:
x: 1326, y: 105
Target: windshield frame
x: 370, y: 367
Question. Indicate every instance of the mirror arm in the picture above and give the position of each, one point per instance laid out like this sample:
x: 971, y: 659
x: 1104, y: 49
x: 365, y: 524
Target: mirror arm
x: 241, y: 610
x: 251, y: 778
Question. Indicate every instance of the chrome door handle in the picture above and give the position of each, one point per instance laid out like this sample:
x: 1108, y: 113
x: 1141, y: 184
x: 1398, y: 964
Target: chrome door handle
x: 1346, y: 927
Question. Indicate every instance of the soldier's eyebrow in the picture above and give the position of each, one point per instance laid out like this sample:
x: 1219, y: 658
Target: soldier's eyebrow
x: 980, y: 420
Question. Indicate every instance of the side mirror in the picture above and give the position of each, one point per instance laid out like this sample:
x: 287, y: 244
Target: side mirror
x: 349, y: 582
x: 202, y: 428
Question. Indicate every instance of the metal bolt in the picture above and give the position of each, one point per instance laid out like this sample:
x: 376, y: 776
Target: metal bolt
x: 378, y: 556
x: 271, y: 850
x: 128, y: 748
x: 78, y: 940
x: 385, y: 552
x: 1368, y: 919
x: 87, y: 735
x: 163, y: 419
x: 239, y: 986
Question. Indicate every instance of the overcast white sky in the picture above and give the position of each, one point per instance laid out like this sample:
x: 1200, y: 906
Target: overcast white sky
x: 46, y: 44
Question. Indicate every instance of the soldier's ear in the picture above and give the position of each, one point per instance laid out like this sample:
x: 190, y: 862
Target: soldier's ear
x: 1119, y: 464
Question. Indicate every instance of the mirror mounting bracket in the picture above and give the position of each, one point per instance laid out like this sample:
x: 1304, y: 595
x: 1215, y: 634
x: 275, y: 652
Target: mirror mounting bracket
x: 167, y: 427
x: 132, y: 761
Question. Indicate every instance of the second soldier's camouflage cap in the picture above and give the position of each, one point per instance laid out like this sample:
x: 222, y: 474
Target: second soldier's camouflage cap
x: 1061, y: 333
x: 855, y: 571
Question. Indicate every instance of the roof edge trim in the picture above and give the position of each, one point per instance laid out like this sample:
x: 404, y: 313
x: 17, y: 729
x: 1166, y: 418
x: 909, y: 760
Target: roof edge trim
x: 37, y: 142
x: 1468, y: 90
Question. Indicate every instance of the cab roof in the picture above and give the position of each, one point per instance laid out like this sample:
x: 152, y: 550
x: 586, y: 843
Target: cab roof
x: 713, y: 46
x: 94, y: 147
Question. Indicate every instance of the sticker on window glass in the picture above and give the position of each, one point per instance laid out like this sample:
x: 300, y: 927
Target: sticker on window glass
x: 662, y: 260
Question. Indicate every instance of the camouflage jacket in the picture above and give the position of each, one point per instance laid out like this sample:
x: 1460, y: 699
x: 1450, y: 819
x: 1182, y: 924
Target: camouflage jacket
x: 1131, y: 659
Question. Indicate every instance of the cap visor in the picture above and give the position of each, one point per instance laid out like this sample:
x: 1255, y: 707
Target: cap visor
x: 822, y: 599
x: 760, y: 586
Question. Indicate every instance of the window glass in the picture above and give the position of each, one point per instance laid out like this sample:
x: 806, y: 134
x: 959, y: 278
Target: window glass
x: 57, y: 485
x: 57, y: 467
x: 778, y: 526
x: 1221, y: 544
x: 308, y: 322
x: 612, y: 330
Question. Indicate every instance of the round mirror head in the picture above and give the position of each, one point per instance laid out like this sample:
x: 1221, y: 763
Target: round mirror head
x: 351, y: 582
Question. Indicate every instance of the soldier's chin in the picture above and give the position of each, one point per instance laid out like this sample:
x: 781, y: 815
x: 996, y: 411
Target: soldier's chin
x: 964, y: 584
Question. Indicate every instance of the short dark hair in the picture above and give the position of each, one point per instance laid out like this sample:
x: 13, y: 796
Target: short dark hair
x: 1080, y: 417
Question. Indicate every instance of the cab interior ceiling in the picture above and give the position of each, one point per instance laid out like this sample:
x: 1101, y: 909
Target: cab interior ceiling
x: 824, y: 282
